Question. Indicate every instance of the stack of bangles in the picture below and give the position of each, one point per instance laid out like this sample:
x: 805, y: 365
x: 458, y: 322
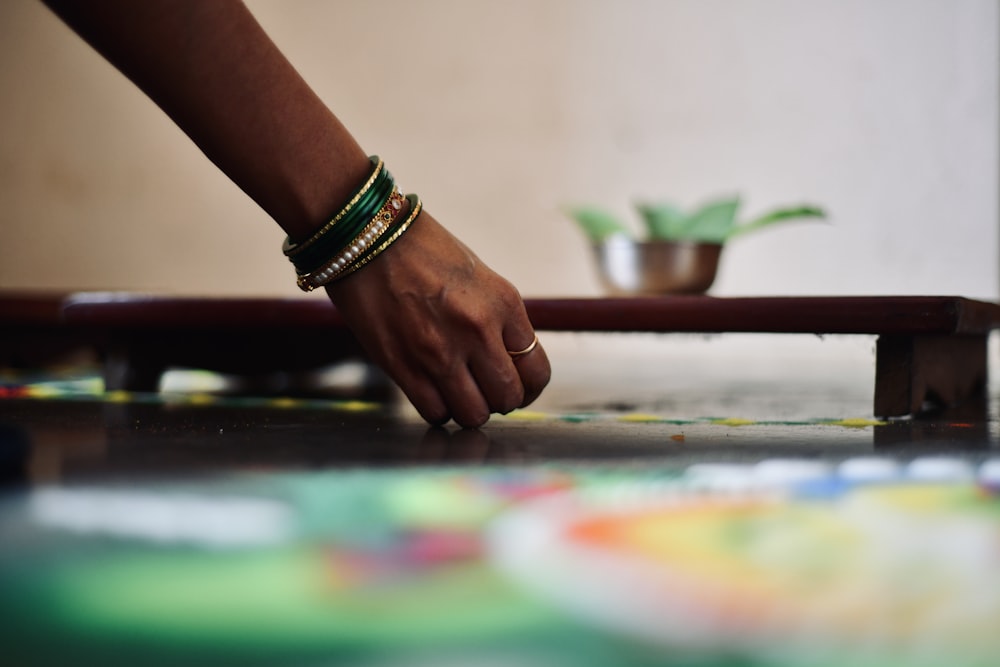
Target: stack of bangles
x: 368, y: 224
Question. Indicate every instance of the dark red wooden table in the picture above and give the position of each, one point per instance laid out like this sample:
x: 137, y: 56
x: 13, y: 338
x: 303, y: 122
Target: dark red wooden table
x: 931, y: 350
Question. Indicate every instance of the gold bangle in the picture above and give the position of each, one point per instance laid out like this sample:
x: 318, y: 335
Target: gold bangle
x: 414, y: 212
x: 291, y: 249
x: 379, y: 223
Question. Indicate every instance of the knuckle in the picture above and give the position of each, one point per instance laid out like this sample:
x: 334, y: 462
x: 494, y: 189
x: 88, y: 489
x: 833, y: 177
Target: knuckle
x: 512, y: 404
x: 508, y: 295
x: 513, y: 396
x: 534, y: 385
x: 478, y: 322
x: 432, y: 351
x: 468, y: 313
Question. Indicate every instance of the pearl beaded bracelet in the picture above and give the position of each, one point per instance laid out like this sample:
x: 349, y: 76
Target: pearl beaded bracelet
x: 415, y: 207
x: 358, y: 248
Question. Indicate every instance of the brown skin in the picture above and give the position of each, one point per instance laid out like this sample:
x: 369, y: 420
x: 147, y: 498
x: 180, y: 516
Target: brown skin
x: 443, y: 322
x: 428, y: 310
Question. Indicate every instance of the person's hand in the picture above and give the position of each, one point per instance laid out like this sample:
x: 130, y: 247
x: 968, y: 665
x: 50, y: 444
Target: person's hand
x: 442, y: 325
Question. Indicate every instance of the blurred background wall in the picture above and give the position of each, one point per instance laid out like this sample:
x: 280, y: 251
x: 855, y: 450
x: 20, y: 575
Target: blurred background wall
x: 885, y: 112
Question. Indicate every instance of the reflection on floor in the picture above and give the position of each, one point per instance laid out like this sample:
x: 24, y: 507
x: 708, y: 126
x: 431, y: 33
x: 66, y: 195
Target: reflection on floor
x: 697, y: 402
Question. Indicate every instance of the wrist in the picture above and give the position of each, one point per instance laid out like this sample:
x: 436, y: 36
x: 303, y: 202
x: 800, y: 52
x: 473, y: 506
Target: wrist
x: 374, y: 217
x: 308, y: 204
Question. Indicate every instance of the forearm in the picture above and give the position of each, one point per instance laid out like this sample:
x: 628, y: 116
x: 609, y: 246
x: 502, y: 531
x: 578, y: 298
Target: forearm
x: 439, y: 321
x: 214, y: 71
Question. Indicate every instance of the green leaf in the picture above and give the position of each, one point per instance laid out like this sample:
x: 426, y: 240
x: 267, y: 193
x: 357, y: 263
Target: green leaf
x: 596, y: 223
x: 713, y: 222
x: 774, y: 217
x: 663, y: 221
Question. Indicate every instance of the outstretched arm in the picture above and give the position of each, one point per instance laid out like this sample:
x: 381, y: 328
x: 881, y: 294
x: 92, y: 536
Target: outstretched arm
x: 428, y: 310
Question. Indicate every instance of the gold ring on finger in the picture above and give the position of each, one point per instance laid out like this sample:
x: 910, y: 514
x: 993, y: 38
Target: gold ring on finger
x: 521, y: 353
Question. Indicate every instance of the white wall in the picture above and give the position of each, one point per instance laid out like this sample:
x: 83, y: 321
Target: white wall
x: 883, y: 111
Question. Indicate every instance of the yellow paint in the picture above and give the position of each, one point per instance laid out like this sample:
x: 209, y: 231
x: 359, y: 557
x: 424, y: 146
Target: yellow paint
x: 284, y: 402
x: 640, y: 417
x: 856, y: 422
x: 733, y: 421
x: 355, y: 406
x: 118, y: 396
x: 42, y: 391
x: 201, y: 399
x: 528, y: 415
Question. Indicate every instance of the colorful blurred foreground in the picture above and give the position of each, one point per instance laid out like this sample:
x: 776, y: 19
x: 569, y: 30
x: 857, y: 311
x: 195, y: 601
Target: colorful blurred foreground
x: 868, y: 562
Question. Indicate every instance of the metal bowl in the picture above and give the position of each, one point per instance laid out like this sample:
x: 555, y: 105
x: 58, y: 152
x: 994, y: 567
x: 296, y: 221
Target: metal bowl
x: 630, y: 267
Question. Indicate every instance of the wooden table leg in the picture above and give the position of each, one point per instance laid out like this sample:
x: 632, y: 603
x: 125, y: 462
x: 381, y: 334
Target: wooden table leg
x: 132, y: 368
x: 922, y: 373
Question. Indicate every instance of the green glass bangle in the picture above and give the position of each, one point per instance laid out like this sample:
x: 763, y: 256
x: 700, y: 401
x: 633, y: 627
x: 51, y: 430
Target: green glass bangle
x: 291, y: 248
x: 340, y: 236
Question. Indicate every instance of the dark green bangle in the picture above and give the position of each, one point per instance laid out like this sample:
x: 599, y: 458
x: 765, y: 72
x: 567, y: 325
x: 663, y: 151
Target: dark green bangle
x: 291, y: 248
x: 340, y: 235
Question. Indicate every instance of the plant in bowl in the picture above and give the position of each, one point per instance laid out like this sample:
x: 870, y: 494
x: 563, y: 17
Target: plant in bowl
x: 680, y: 254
